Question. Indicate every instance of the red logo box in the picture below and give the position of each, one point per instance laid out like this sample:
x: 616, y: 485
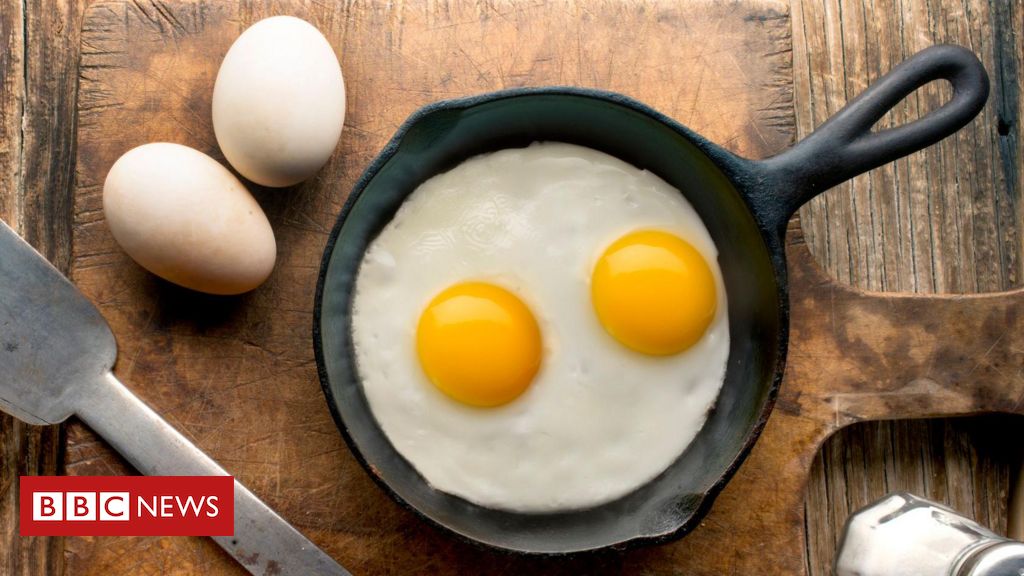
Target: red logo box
x: 127, y: 506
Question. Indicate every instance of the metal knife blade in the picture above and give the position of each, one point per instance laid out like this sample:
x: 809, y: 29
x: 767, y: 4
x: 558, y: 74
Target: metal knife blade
x: 56, y: 356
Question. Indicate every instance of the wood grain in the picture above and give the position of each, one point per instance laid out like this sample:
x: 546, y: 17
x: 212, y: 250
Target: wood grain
x: 943, y: 220
x: 38, y: 65
x: 12, y: 433
x: 12, y: 105
x: 237, y: 375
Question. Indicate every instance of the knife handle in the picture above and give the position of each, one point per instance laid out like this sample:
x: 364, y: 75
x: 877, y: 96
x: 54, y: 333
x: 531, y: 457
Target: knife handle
x: 263, y: 543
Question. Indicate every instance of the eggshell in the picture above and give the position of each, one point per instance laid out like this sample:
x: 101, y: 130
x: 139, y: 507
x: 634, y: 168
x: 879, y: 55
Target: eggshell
x: 279, y: 102
x: 187, y: 219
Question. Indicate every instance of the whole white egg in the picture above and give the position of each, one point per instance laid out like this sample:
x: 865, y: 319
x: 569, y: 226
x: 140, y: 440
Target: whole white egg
x: 279, y: 102
x: 184, y: 217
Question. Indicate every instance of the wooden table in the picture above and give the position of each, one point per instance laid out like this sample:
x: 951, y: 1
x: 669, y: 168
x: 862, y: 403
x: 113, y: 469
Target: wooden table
x: 943, y: 220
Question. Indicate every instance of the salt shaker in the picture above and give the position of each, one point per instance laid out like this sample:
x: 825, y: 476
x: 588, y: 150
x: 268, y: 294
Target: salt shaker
x: 903, y: 535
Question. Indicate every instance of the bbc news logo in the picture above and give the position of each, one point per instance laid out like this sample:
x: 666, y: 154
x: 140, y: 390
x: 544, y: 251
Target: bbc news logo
x: 81, y: 506
x: 116, y: 506
x: 127, y: 505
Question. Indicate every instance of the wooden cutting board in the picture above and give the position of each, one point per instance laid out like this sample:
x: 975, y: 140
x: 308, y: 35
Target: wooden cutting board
x: 237, y: 375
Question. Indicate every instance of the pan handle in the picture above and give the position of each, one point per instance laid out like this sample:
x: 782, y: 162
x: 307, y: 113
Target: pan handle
x: 845, y: 146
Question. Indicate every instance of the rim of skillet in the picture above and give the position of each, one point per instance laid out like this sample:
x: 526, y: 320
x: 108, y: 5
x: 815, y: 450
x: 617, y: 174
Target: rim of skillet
x: 735, y: 170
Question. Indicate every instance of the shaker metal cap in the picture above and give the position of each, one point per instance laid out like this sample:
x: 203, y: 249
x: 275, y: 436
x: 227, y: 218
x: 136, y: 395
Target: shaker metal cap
x: 1005, y: 559
x: 904, y: 535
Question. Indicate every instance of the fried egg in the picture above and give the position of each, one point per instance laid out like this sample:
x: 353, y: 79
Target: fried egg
x: 541, y: 328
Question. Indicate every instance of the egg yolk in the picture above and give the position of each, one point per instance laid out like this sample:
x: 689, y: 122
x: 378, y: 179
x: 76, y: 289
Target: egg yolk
x: 479, y: 344
x: 653, y: 292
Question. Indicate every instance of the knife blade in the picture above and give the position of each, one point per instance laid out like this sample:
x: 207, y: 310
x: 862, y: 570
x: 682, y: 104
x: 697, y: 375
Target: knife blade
x: 56, y: 358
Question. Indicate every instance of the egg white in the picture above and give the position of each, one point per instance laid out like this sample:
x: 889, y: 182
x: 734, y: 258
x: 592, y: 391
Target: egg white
x: 599, y: 420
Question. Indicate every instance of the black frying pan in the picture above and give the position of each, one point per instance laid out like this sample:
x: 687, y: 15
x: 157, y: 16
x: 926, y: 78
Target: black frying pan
x: 745, y: 205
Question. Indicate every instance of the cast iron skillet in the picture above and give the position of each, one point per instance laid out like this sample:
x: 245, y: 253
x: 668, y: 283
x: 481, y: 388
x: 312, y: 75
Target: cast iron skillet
x: 744, y: 204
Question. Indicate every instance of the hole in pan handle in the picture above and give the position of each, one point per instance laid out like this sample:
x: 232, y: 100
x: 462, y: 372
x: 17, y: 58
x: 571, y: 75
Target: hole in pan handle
x: 845, y: 146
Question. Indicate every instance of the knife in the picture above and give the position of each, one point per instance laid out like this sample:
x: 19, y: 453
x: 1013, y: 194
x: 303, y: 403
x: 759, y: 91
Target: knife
x: 56, y: 357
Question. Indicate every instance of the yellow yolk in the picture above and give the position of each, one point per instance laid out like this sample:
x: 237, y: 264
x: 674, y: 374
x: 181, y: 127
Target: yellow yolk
x: 479, y: 344
x: 653, y: 292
